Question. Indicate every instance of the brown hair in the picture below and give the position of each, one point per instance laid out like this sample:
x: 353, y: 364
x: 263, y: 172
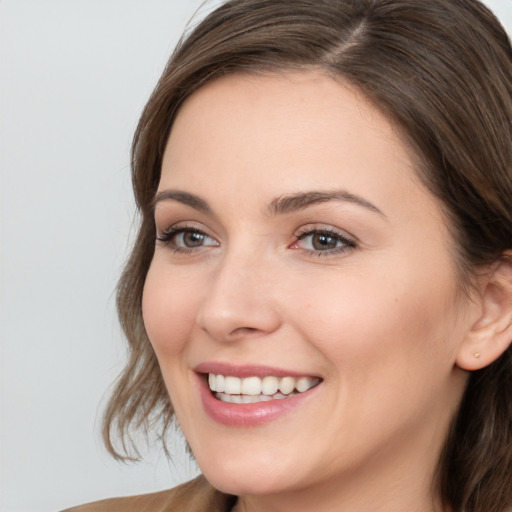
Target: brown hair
x: 441, y: 70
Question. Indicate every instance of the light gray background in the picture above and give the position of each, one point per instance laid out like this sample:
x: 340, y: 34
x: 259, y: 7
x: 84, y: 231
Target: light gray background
x: 74, y: 76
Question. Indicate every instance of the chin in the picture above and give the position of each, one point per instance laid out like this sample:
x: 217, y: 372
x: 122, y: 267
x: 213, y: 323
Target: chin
x: 246, y: 483
x: 254, y: 474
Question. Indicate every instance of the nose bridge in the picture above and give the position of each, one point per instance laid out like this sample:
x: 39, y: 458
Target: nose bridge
x: 238, y: 302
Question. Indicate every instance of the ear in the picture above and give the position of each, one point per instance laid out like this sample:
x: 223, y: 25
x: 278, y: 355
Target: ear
x: 491, y: 334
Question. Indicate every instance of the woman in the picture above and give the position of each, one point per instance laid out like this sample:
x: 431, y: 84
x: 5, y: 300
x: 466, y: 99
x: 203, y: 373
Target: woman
x: 321, y: 287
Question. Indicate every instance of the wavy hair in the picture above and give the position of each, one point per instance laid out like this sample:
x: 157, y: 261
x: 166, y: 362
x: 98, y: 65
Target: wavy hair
x: 441, y: 70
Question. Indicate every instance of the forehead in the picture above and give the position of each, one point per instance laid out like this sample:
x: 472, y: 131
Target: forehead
x: 292, y: 131
x: 300, y: 105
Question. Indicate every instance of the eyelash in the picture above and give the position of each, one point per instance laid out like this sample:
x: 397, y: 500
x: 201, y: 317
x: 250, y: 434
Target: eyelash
x: 347, y: 243
x: 168, y: 236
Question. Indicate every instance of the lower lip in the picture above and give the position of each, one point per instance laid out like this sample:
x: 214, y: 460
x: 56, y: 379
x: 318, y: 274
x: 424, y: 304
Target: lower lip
x: 248, y: 414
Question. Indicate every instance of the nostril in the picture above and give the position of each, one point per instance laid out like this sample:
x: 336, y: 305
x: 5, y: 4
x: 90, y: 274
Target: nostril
x: 245, y: 330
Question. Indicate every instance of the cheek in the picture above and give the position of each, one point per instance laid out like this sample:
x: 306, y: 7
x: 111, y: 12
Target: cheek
x: 169, y: 308
x: 399, y: 321
x: 390, y: 350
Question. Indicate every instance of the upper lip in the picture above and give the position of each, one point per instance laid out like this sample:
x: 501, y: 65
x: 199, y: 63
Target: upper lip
x: 247, y: 370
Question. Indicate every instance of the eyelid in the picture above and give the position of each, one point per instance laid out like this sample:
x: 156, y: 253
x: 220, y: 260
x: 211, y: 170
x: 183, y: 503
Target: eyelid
x: 349, y: 242
x: 326, y: 228
x: 343, y: 241
x: 165, y: 236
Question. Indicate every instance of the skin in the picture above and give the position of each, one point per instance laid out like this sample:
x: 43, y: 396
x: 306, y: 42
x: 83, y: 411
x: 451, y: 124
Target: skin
x: 380, y: 319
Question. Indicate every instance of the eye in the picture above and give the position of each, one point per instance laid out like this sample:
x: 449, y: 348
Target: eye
x: 323, y: 241
x: 190, y: 239
x: 186, y: 239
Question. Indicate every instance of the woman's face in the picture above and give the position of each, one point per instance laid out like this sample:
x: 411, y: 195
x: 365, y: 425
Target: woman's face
x: 297, y: 248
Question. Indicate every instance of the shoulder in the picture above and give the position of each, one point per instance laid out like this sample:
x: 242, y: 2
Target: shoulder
x: 194, y: 496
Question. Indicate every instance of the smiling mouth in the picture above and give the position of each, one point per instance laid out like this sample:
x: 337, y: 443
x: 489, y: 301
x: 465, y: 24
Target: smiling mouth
x: 249, y: 390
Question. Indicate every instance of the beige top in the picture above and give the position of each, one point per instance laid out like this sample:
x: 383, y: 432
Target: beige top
x: 194, y: 496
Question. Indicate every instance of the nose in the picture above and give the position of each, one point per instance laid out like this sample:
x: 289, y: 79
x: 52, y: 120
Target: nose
x: 240, y: 300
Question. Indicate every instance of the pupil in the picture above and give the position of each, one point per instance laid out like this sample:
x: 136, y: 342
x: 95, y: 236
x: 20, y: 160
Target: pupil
x: 323, y: 242
x: 193, y: 239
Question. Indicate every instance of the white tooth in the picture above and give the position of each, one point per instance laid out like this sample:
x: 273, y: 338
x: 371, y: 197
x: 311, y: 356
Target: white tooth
x: 243, y: 399
x: 220, y: 383
x: 251, y: 386
x: 250, y: 399
x: 232, y: 385
x: 223, y: 397
x: 305, y: 383
x: 286, y: 385
x: 212, y: 382
x: 269, y: 385
x: 280, y: 396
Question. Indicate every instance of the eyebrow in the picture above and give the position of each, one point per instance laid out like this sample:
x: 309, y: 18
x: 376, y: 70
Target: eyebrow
x: 294, y: 202
x: 288, y: 203
x: 181, y: 197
